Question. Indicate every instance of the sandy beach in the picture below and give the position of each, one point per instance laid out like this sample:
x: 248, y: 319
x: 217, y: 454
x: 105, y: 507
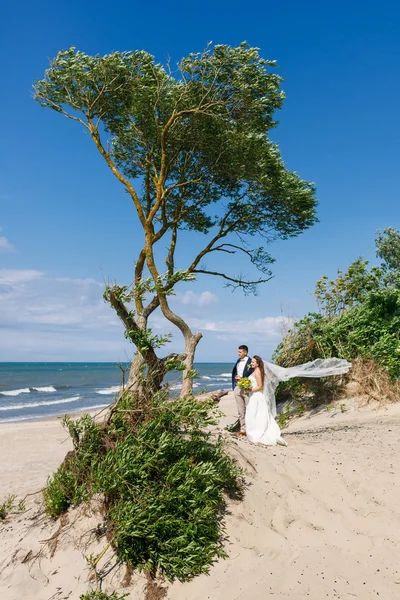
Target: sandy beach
x: 320, y: 518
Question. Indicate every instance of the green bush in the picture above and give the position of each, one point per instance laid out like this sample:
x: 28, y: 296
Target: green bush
x: 7, y: 506
x: 369, y: 330
x: 58, y: 493
x: 74, y: 480
x: 163, y: 478
x: 102, y: 596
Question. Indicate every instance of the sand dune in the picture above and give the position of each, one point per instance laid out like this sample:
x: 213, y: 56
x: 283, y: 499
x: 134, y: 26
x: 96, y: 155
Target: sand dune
x: 320, y: 518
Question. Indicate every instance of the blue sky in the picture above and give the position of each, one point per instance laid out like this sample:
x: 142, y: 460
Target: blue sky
x: 67, y: 225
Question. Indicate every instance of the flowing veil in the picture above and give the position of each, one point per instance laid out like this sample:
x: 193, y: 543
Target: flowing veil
x: 316, y: 368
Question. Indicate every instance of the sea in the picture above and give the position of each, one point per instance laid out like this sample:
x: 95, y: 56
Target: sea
x: 30, y: 391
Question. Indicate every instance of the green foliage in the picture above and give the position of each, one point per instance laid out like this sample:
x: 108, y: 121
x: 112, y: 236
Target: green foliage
x: 102, y: 596
x: 83, y: 431
x: 301, y: 344
x: 144, y: 286
x: 163, y: 478
x: 7, y: 506
x: 10, y: 505
x: 69, y: 484
x: 143, y: 338
x: 192, y: 374
x: 335, y: 297
x: 369, y: 330
x: 188, y: 139
x: 172, y: 364
x: 59, y: 491
x: 388, y: 249
x: 348, y: 289
x: 283, y: 419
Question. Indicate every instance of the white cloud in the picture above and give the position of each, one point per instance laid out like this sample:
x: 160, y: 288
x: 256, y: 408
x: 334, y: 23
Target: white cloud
x: 5, y: 245
x: 11, y: 277
x: 42, y: 318
x: 271, y: 326
x: 198, y: 300
x: 80, y: 282
x: 54, y: 302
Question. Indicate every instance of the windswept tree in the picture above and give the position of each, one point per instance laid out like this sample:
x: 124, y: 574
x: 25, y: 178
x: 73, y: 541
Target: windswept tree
x: 191, y: 148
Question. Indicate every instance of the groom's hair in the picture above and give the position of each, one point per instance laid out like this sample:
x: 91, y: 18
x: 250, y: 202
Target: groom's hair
x: 243, y: 347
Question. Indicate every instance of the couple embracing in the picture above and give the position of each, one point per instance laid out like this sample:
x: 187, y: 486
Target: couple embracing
x: 257, y: 406
x: 256, y: 414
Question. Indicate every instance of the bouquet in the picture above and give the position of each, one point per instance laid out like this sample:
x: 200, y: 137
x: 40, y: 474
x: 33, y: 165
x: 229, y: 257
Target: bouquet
x: 245, y: 384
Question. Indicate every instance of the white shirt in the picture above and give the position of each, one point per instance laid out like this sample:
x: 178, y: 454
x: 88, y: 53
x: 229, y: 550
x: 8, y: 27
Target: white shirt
x: 240, y: 366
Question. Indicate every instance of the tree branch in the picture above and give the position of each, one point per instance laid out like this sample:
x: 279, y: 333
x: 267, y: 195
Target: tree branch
x: 57, y: 108
x: 171, y: 252
x: 130, y: 324
x: 94, y: 132
x: 238, y: 280
x: 222, y: 233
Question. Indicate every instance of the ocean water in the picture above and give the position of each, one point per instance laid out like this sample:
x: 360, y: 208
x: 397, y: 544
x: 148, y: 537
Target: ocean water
x: 30, y: 391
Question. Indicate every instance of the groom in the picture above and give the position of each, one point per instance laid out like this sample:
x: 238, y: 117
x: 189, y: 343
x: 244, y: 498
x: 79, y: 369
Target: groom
x: 241, y: 369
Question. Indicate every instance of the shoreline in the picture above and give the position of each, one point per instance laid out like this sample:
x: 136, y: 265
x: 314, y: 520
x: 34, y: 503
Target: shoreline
x: 59, y: 416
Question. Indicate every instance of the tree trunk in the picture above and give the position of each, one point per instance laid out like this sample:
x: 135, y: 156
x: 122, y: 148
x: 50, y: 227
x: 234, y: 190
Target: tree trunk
x: 156, y: 371
x: 134, y: 373
x: 215, y: 396
x: 156, y: 367
x: 191, y: 341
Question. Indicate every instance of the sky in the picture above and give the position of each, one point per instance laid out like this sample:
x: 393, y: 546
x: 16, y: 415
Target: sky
x: 67, y: 226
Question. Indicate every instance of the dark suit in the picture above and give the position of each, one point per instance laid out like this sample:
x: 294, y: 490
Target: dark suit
x: 246, y: 371
x: 241, y: 398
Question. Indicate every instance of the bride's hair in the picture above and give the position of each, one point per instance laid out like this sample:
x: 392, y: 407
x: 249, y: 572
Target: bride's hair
x: 260, y: 365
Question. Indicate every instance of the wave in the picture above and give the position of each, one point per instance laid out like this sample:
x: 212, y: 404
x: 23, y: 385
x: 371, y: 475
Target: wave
x: 36, y: 404
x: 216, y: 378
x: 48, y: 388
x: 112, y: 390
x: 18, y: 419
x: 226, y: 375
x: 16, y: 392
x: 179, y: 386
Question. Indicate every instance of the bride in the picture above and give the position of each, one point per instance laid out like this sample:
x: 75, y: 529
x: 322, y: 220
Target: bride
x: 260, y: 416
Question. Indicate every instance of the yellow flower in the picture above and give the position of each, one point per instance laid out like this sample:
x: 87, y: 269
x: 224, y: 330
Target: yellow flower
x: 244, y: 383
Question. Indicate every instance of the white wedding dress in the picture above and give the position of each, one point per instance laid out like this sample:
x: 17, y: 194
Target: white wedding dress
x: 261, y: 426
